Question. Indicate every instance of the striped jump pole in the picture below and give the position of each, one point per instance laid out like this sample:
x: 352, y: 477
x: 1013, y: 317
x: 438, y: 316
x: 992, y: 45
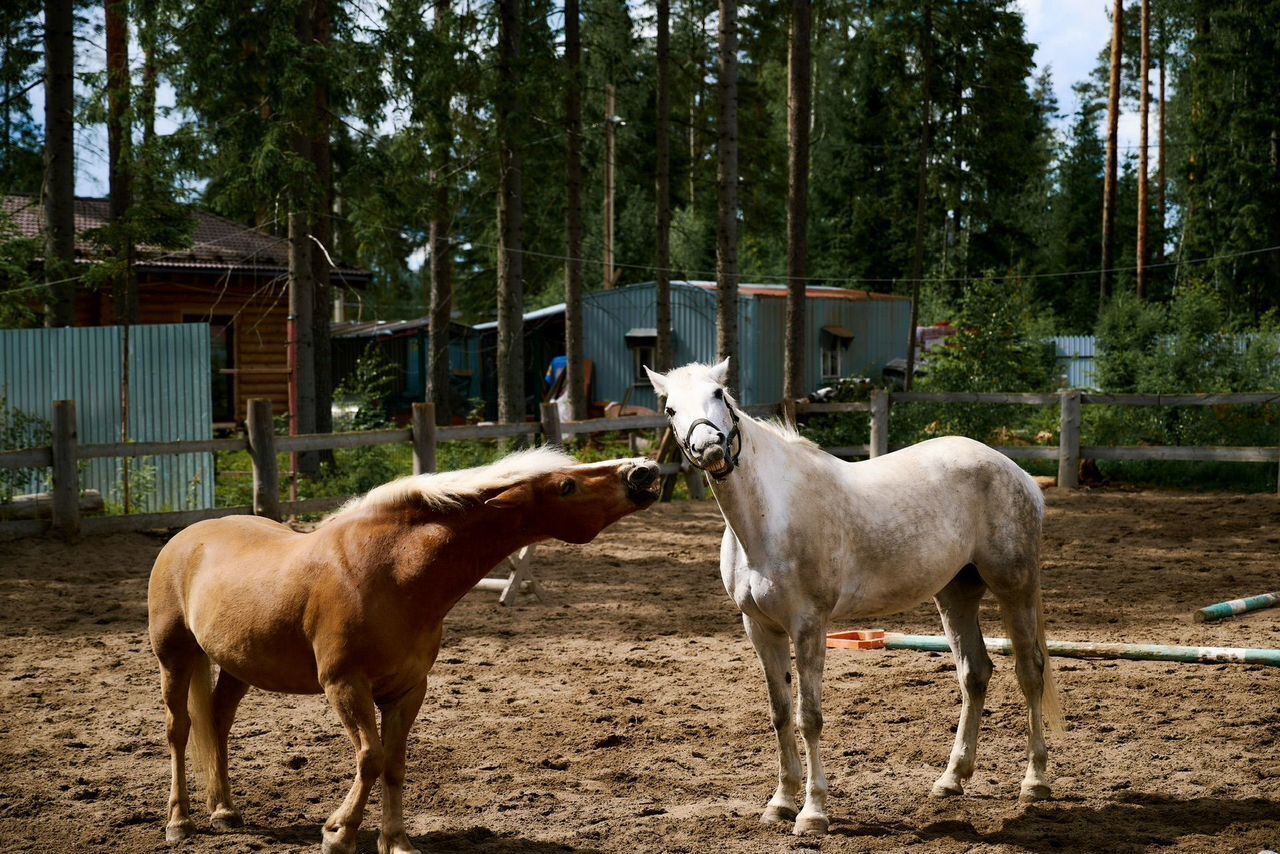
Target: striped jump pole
x: 1131, y: 651
x: 1222, y: 610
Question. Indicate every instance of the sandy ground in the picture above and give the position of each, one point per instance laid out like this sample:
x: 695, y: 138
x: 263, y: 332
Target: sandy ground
x: 628, y: 713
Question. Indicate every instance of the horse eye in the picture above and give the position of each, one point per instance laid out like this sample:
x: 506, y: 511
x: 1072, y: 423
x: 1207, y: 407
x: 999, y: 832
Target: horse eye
x: 718, y: 394
x: 671, y: 413
x: 569, y: 487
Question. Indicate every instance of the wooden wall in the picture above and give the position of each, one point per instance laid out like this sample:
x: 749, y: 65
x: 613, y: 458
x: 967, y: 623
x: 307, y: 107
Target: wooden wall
x: 258, y: 306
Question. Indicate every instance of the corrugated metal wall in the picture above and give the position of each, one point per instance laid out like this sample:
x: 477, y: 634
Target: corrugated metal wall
x: 879, y: 327
x: 1075, y: 355
x: 170, y: 400
x: 607, y: 316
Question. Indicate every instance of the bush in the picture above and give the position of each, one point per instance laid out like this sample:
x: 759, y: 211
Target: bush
x: 20, y: 429
x: 1187, y: 346
x: 999, y: 346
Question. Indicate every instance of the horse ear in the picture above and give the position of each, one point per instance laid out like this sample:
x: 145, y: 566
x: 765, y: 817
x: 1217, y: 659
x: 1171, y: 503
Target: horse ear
x: 720, y: 372
x: 515, y: 496
x: 658, y: 381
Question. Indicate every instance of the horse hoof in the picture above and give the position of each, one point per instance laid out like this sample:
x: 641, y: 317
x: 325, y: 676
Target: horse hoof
x: 811, y: 825
x: 778, y: 814
x: 179, y: 830
x: 946, y: 790
x: 1035, y: 792
x: 332, y: 844
x: 399, y: 845
x: 225, y: 819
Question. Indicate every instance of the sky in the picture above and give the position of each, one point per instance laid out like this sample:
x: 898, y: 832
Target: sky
x: 1067, y: 33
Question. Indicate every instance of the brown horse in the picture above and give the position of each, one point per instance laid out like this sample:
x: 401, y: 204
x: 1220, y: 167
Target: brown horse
x: 352, y: 609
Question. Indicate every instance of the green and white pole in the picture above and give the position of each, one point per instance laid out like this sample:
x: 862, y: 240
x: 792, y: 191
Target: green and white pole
x: 1131, y: 651
x: 1222, y: 610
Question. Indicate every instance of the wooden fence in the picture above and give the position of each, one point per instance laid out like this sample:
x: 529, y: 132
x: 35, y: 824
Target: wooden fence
x: 424, y: 435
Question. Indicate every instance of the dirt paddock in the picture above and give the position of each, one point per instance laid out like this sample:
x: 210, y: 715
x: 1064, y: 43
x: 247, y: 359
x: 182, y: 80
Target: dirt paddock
x: 628, y: 713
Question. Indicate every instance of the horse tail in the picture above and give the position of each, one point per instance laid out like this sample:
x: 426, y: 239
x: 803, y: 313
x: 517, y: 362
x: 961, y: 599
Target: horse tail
x: 204, y: 739
x: 1050, y: 700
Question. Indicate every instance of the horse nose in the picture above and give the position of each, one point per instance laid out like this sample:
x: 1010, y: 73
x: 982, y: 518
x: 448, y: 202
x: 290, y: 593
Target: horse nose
x: 641, y: 475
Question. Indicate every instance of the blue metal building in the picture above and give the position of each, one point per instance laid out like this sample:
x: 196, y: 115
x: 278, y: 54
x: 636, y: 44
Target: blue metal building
x: 847, y: 333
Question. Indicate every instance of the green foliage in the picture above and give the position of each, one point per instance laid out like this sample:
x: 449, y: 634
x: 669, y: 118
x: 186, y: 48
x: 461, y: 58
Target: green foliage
x: 364, y: 391
x: 1187, y: 346
x: 999, y: 346
x: 19, y: 429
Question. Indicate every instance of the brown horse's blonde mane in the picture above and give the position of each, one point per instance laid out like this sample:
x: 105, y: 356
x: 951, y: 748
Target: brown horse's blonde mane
x: 449, y: 490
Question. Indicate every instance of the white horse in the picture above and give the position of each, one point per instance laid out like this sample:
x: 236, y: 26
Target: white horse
x: 810, y: 538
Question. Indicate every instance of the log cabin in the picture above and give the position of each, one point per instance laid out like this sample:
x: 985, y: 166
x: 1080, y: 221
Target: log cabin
x: 231, y: 277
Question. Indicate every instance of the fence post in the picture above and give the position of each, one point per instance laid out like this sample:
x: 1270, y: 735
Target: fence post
x: 879, y: 422
x: 1069, y: 441
x: 262, y: 448
x: 551, y: 424
x: 66, y: 478
x: 423, y: 425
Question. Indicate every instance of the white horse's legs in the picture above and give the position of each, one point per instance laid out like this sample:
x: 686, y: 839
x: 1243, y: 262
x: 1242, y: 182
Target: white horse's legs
x: 958, y: 606
x: 774, y: 650
x: 1023, y: 624
x: 811, y: 654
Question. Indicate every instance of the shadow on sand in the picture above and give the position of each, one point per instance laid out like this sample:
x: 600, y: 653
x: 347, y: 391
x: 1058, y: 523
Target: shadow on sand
x: 1135, y: 821
x: 473, y: 840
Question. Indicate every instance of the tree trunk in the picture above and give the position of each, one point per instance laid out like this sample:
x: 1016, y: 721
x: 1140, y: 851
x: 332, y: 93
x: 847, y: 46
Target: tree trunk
x: 322, y: 226
x: 441, y: 298
x: 1144, y: 106
x: 610, y: 135
x: 799, y: 83
x: 1160, y: 177
x: 301, y: 341
x: 662, y: 355
x: 575, y: 369
x: 59, y: 162
x: 922, y: 190
x: 511, y: 403
x: 1110, y: 178
x: 302, y: 284
x: 727, y: 195
x: 120, y: 160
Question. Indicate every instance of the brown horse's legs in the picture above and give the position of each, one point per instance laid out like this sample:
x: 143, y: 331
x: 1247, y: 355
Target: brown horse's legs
x: 175, y: 679
x: 354, y: 705
x: 226, y: 699
x: 397, y: 719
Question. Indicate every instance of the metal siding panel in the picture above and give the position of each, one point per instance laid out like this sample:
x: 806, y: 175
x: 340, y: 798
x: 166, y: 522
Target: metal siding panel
x: 1075, y: 356
x: 170, y: 398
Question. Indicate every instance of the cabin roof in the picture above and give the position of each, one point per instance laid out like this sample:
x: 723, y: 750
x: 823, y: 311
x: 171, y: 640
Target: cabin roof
x: 217, y: 242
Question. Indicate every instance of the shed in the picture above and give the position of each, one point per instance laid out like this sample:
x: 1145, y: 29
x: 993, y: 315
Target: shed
x: 406, y: 343
x: 848, y: 333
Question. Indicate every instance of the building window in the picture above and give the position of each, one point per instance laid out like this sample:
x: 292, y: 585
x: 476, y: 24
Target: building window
x: 223, y: 351
x: 835, y: 341
x: 642, y: 343
x: 641, y: 356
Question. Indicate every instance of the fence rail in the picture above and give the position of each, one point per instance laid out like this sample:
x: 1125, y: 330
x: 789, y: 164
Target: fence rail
x: 262, y: 445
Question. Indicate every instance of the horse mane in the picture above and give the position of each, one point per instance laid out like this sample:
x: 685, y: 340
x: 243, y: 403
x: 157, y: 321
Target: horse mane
x: 781, y: 430
x: 786, y: 432
x: 447, y: 491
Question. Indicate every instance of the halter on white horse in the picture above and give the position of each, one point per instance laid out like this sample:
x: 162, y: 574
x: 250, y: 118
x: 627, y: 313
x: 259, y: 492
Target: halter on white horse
x: 948, y: 518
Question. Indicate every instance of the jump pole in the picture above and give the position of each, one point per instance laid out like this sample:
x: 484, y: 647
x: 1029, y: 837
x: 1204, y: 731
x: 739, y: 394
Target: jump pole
x: 1222, y: 610
x: 1130, y: 651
